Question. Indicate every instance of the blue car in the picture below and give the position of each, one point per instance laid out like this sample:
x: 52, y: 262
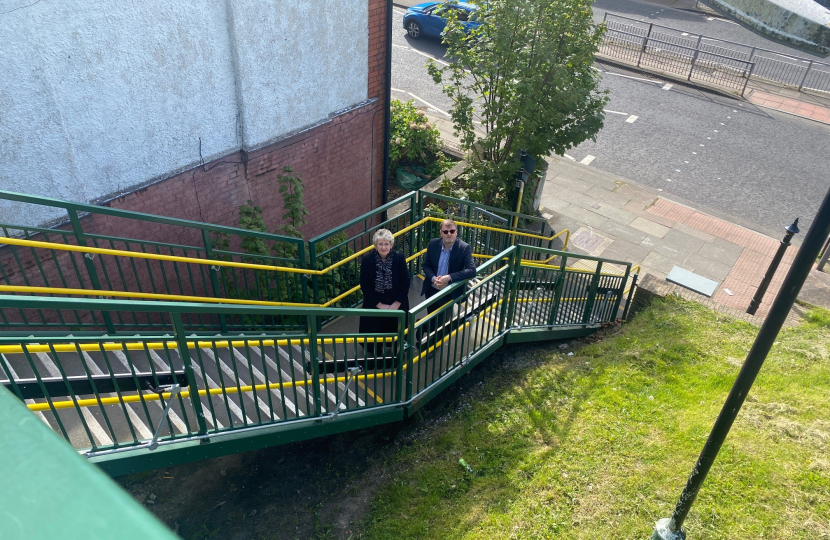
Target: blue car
x: 430, y: 18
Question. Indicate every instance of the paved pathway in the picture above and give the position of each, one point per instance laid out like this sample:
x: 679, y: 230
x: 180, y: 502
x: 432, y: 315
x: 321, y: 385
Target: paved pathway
x: 613, y: 217
x: 789, y: 105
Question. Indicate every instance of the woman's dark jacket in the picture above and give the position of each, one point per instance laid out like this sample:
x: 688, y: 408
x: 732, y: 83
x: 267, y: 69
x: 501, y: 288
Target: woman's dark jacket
x: 400, y: 280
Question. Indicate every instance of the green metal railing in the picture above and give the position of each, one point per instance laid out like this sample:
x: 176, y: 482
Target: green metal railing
x: 484, y: 241
x: 27, y: 266
x: 40, y: 263
x: 144, y: 399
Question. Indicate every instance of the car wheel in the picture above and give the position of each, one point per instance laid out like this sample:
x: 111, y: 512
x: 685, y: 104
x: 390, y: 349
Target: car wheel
x: 413, y: 29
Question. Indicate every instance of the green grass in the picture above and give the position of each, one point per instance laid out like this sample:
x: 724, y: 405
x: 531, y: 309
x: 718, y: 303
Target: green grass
x: 600, y: 444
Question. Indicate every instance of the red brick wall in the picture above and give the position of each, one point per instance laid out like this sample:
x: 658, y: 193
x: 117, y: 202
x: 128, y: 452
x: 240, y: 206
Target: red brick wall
x: 337, y: 161
x: 340, y: 163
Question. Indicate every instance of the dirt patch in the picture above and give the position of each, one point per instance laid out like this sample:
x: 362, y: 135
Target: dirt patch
x: 313, y: 489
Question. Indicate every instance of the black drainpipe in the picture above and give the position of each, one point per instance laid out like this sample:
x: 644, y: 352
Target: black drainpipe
x: 388, y: 97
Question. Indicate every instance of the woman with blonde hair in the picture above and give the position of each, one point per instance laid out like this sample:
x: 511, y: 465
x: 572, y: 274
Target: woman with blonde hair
x: 384, y: 280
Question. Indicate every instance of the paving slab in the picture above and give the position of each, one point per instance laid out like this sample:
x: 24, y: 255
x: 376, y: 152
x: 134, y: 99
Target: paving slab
x: 626, y: 251
x: 580, y: 214
x: 651, y: 227
x: 684, y: 243
x: 612, y: 198
x: 721, y: 253
x: 707, y: 267
x: 623, y: 232
x: 552, y: 203
x: 682, y: 227
x: 666, y: 248
x: 618, y: 215
x: 659, y: 262
x: 637, y: 195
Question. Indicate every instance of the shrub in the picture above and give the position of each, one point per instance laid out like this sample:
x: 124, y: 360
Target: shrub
x: 414, y: 141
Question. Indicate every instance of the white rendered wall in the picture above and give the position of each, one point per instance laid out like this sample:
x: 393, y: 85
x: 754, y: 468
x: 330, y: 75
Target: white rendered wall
x: 98, y: 97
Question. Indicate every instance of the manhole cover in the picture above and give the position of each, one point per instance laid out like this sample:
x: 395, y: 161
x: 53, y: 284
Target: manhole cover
x: 587, y: 240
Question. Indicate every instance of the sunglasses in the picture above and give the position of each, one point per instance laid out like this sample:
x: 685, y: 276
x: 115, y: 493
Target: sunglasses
x: 450, y: 231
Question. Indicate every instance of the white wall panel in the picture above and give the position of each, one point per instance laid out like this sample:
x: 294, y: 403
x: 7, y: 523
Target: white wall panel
x: 98, y: 97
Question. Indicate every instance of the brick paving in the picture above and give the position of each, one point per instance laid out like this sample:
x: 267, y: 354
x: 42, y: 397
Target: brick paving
x: 748, y: 271
x: 791, y: 106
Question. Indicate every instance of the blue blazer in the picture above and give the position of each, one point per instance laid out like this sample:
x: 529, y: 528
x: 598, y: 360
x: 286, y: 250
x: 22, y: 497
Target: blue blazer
x: 461, y: 265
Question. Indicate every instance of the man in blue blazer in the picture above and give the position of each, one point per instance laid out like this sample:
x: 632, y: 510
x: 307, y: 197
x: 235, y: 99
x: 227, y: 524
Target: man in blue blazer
x: 448, y: 260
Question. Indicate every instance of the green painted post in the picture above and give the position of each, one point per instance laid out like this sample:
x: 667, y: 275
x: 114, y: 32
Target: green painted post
x: 410, y: 355
x: 303, y: 280
x: 622, y: 291
x: 184, y: 354
x: 557, y: 295
x: 592, y: 294
x: 506, y: 291
x: 214, y: 278
x: 413, y: 217
x: 406, y: 341
x: 311, y: 326
x: 516, y: 273
x: 90, y: 265
x: 315, y: 283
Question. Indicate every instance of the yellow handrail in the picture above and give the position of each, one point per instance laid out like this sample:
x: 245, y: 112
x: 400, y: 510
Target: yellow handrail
x: 253, y: 266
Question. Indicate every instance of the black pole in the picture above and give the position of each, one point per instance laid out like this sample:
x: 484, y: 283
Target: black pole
x: 752, y: 365
x: 773, y: 266
x: 388, y: 113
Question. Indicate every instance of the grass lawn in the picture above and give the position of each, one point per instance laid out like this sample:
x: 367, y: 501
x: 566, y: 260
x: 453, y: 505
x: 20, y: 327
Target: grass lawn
x: 600, y: 443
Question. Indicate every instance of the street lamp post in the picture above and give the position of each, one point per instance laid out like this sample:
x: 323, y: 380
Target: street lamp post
x: 672, y: 528
x: 773, y: 266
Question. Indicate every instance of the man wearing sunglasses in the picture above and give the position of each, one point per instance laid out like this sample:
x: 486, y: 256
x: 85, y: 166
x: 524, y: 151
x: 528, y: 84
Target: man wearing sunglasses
x: 448, y: 260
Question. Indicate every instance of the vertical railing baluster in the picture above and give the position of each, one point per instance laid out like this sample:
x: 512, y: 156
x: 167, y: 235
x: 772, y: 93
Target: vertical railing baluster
x: 90, y: 266
x: 184, y: 355
x: 311, y: 328
x: 592, y: 294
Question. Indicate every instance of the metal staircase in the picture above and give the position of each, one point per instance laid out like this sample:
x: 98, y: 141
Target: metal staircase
x: 142, y: 354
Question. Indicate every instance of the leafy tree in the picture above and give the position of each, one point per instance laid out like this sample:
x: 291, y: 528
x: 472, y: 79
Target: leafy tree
x: 526, y: 73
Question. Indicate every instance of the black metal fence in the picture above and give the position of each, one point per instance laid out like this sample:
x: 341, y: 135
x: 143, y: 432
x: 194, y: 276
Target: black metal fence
x: 715, y: 61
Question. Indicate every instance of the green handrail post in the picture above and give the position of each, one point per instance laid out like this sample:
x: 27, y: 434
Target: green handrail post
x: 622, y: 291
x: 557, y: 294
x: 507, y: 291
x: 184, y: 354
x: 413, y: 217
x: 592, y: 295
x: 214, y: 278
x: 630, y: 296
x: 410, y: 355
x: 515, y: 274
x: 303, y: 264
x: 406, y: 342
x: 88, y: 262
x: 315, y: 283
x: 311, y: 326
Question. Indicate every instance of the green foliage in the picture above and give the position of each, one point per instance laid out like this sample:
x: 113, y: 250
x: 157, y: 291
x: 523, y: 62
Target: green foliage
x: 250, y: 218
x: 414, y: 141
x: 342, y: 278
x: 527, y: 74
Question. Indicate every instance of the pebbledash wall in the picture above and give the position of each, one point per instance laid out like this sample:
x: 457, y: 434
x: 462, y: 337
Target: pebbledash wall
x: 190, y: 108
